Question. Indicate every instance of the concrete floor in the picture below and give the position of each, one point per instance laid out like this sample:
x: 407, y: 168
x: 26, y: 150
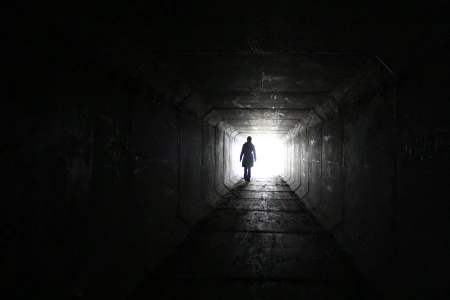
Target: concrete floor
x: 260, y: 243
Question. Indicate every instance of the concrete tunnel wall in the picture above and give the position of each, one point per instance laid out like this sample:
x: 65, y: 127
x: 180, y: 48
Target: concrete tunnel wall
x: 375, y: 183
x: 120, y: 169
x: 342, y: 163
x: 106, y: 175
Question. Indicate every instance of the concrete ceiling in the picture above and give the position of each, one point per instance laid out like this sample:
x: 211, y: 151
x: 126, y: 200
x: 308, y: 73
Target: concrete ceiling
x: 256, y: 91
x: 263, y: 66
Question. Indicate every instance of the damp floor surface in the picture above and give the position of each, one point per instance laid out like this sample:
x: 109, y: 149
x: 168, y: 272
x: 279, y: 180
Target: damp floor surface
x: 260, y: 243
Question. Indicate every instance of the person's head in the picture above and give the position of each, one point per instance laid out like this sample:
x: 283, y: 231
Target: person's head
x: 249, y: 139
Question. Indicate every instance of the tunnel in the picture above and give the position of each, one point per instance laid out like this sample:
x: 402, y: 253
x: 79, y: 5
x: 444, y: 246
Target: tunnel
x: 121, y: 169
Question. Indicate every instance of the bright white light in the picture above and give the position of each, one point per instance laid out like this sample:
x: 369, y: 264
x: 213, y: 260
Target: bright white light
x: 269, y: 156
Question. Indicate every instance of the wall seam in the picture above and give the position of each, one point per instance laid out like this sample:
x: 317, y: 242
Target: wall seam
x: 396, y: 178
x: 215, y: 159
x: 223, y: 158
x: 230, y: 155
x: 203, y: 153
x: 321, y: 163
x: 180, y: 214
x: 343, y: 111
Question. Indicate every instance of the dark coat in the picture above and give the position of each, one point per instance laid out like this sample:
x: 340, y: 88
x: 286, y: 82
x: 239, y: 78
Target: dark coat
x: 249, y: 153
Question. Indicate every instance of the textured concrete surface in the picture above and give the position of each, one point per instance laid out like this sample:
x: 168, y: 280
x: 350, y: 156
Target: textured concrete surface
x: 127, y: 141
x: 124, y: 177
x: 422, y: 209
x: 344, y: 157
x: 358, y: 165
x: 263, y: 247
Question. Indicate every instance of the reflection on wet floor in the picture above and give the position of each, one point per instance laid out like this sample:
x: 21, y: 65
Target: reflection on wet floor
x: 259, y: 243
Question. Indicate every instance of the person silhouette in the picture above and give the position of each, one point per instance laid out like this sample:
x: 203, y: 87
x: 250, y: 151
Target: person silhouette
x: 248, y: 153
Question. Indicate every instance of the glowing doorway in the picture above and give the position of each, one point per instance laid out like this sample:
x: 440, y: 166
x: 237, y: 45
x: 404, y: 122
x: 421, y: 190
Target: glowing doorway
x: 269, y: 155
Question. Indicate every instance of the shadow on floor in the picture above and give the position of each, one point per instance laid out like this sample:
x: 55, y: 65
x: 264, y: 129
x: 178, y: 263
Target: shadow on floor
x: 260, y: 243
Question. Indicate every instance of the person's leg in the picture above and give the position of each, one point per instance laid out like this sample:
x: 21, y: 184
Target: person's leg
x: 249, y: 173
x: 245, y: 174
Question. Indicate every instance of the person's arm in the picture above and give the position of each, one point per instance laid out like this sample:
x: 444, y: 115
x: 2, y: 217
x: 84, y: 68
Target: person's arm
x: 254, y: 152
x: 242, y: 153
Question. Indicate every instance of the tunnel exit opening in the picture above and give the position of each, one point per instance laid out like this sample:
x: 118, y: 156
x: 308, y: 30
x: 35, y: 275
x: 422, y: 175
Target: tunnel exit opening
x: 269, y: 155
